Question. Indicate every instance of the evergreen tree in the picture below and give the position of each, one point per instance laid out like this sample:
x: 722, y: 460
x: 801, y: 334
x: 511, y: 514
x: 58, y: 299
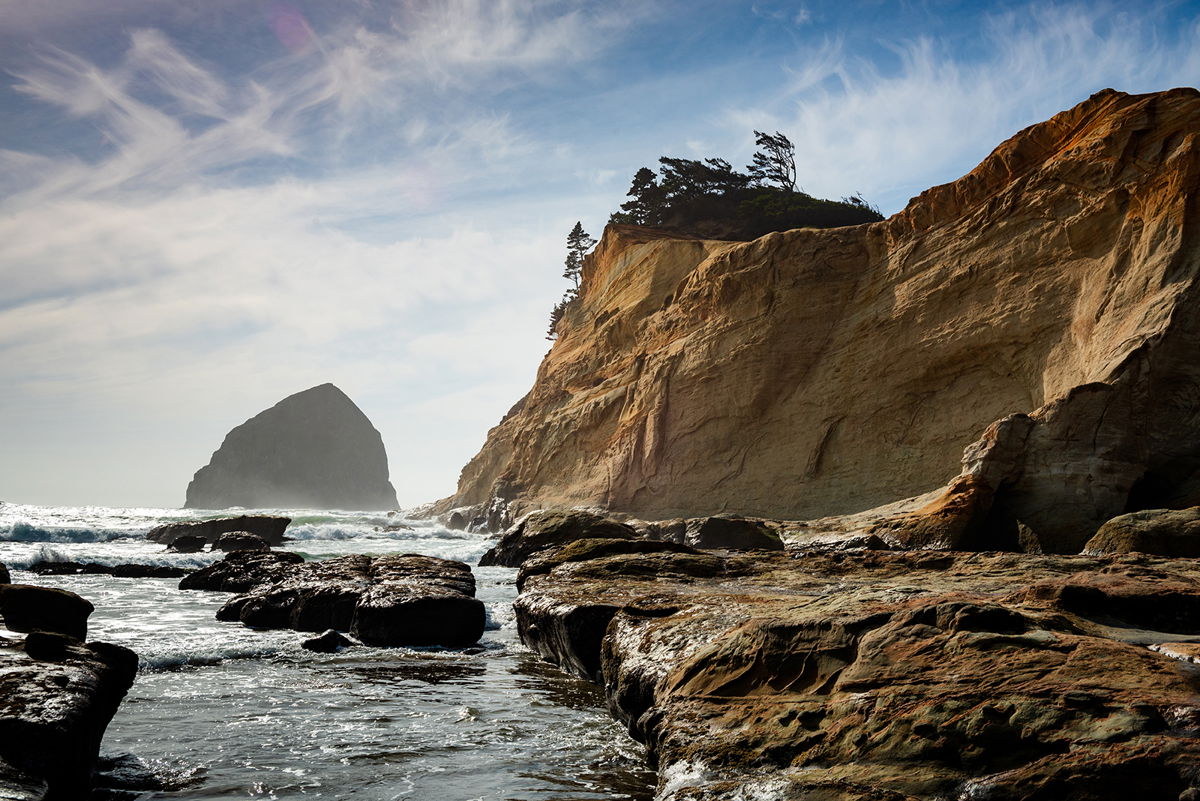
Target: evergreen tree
x: 647, y: 205
x: 579, y: 242
x: 775, y: 162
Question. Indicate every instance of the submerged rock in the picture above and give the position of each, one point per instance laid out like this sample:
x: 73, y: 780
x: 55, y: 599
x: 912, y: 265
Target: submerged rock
x: 240, y: 541
x: 125, y: 570
x: 268, y: 527
x: 548, y: 529
x: 312, y: 450
x: 385, y: 601
x: 328, y: 643
x: 880, y: 675
x: 57, y: 695
x: 1162, y: 532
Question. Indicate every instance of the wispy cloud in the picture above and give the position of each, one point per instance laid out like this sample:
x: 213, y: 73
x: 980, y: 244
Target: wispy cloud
x: 891, y: 131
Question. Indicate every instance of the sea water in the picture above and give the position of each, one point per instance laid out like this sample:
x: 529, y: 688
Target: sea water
x: 222, y: 711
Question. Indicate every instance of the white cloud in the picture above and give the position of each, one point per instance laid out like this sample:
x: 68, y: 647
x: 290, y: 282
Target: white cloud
x: 890, y: 133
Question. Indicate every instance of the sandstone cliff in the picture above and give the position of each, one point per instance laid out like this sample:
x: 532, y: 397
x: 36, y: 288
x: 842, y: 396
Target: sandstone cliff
x: 314, y: 449
x: 813, y: 372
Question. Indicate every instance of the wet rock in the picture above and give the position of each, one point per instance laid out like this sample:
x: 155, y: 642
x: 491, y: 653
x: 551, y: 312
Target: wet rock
x: 328, y: 643
x: 188, y: 543
x: 268, y: 527
x: 731, y: 533
x: 28, y: 608
x: 240, y: 571
x: 1162, y: 532
x: 240, y: 541
x: 456, y: 521
x: 885, y: 675
x: 384, y: 601
x: 127, y: 570
x: 57, y: 695
x: 540, y: 530
x: 4, y: 577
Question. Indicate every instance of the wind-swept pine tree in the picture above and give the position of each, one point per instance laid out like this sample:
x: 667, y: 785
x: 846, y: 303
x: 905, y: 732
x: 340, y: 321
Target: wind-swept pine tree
x: 775, y: 162
x: 579, y: 242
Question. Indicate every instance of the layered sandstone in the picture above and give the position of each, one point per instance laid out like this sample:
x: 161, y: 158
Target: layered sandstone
x: 909, y: 676
x: 818, y: 372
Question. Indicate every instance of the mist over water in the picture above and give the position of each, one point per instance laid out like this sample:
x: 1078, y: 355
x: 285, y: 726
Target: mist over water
x: 223, y: 711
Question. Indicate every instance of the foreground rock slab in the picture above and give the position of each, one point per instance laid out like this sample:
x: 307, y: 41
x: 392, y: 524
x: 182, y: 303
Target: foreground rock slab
x: 885, y: 675
x: 57, y: 695
x: 389, y: 600
x: 268, y: 527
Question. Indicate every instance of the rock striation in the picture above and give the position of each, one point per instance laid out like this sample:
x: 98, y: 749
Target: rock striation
x: 908, y: 676
x: 57, y: 694
x: 314, y: 449
x: 388, y: 600
x: 1043, y: 307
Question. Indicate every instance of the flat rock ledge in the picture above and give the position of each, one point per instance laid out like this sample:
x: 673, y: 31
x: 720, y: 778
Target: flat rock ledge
x: 57, y: 695
x: 884, y: 675
x: 269, y: 528
x: 394, y: 600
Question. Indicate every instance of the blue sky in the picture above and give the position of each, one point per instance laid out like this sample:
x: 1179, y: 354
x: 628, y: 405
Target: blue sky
x: 206, y: 205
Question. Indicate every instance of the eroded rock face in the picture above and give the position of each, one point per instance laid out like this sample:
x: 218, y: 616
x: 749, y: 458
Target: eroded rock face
x: 910, y: 675
x: 1053, y: 289
x: 268, y: 527
x: 57, y: 695
x: 314, y: 449
x: 388, y: 600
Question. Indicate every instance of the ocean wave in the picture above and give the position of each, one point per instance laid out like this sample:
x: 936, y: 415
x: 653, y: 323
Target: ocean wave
x: 24, y: 531
x: 203, y: 657
x: 48, y: 553
x: 343, y: 530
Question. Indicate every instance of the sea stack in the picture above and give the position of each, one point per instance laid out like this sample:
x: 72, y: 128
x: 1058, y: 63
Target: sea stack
x: 314, y: 449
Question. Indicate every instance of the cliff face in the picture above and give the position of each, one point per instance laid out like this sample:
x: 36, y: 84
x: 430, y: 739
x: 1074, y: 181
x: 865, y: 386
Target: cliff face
x: 314, y: 449
x: 816, y: 372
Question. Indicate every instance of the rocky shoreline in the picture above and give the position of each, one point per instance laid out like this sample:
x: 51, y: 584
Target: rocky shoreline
x: 57, y: 693
x: 883, y: 675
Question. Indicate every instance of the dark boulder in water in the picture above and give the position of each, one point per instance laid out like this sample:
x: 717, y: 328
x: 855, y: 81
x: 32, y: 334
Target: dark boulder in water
x: 328, y: 643
x: 383, y: 601
x: 126, y: 570
x: 25, y: 607
x: 314, y: 449
x: 4, y: 577
x: 241, y: 571
x: 188, y: 543
x: 240, y: 541
x: 266, y: 526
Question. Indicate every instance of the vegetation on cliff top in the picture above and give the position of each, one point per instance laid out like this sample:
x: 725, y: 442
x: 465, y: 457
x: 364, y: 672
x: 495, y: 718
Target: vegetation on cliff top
x: 709, y: 198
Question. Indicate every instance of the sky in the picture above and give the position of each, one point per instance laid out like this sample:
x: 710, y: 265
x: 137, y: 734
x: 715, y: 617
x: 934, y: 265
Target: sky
x: 208, y: 205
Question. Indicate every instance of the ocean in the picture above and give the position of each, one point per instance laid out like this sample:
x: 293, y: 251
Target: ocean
x: 222, y: 711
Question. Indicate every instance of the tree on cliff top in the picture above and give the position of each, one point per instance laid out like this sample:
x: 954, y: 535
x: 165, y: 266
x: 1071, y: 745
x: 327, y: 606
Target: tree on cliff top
x: 579, y: 242
x: 775, y: 162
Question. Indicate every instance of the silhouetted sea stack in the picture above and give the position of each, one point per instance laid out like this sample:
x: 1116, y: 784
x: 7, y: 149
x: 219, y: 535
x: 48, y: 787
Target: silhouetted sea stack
x: 314, y: 449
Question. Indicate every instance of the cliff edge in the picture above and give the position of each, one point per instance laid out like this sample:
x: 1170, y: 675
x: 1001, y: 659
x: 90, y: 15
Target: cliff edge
x: 314, y: 449
x: 1051, y: 291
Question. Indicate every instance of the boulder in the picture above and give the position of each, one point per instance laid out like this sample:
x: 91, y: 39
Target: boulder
x: 240, y: 571
x: 57, y: 695
x: 884, y: 675
x: 4, y: 577
x: 188, y: 543
x: 312, y: 450
x: 731, y: 533
x: 383, y: 601
x: 456, y: 521
x: 1162, y: 532
x: 126, y: 570
x: 545, y: 529
x: 240, y: 541
x: 328, y: 643
x: 28, y: 608
x: 268, y: 527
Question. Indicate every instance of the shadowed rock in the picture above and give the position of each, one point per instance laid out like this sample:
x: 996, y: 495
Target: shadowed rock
x: 25, y: 607
x: 240, y: 541
x: 1163, y: 532
x: 126, y: 570
x: 549, y: 529
x: 314, y: 449
x: 328, y: 643
x: 269, y: 528
x: 385, y: 601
